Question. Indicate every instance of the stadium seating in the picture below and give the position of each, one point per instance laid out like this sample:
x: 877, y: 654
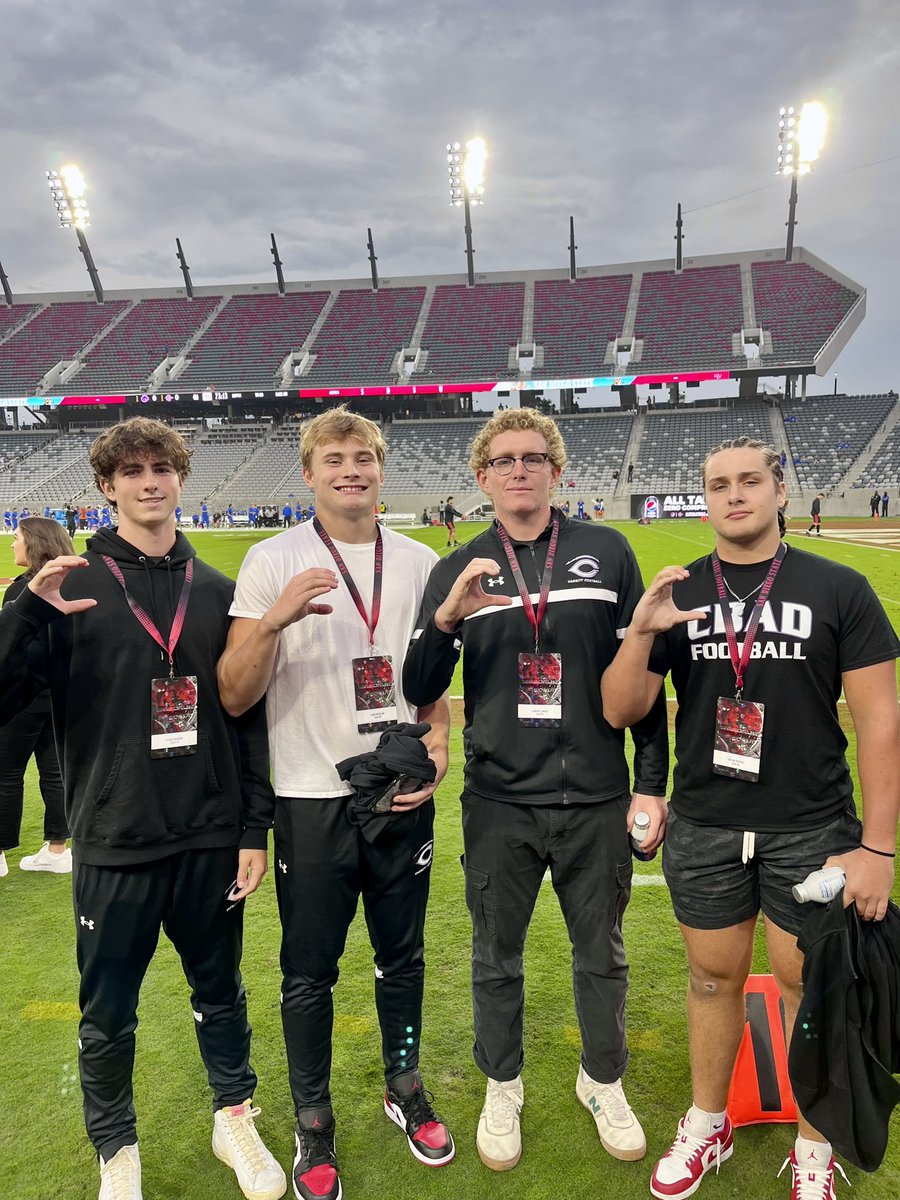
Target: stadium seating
x: 153, y: 330
x: 10, y: 317
x: 827, y: 434
x: 361, y: 336
x: 800, y: 306
x: 574, y: 323
x: 469, y: 331
x: 216, y: 455
x: 596, y: 448
x: 259, y: 478
x: 249, y: 340
x: 429, y: 456
x: 52, y: 474
x: 675, y: 443
x: 59, y: 332
x: 883, y: 471
x: 686, y: 321
x: 18, y: 445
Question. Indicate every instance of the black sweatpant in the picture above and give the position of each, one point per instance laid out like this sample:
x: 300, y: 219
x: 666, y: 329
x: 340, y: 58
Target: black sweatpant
x: 322, y: 866
x: 508, y: 847
x: 30, y: 733
x: 118, y: 915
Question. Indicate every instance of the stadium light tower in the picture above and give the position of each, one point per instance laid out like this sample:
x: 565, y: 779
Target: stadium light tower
x: 465, y: 168
x: 67, y: 188
x: 801, y: 136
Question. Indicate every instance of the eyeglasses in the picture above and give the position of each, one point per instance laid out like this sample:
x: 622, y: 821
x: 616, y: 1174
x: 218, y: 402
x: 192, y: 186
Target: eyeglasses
x: 531, y: 462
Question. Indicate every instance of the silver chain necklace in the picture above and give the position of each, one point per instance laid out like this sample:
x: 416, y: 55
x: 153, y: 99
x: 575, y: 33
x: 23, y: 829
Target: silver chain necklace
x: 741, y: 599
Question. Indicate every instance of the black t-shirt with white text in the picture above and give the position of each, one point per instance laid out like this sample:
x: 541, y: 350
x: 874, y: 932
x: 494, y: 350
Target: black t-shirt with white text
x: 821, y: 619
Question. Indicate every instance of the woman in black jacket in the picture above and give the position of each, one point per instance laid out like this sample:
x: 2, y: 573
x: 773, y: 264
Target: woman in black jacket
x: 36, y: 541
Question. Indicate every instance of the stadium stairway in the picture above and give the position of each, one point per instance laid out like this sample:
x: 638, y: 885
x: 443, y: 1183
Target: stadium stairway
x: 783, y: 446
x: 858, y: 468
x: 632, y: 453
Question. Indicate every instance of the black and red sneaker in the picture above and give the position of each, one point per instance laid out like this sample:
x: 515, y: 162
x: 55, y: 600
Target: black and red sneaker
x: 408, y: 1105
x: 315, y: 1172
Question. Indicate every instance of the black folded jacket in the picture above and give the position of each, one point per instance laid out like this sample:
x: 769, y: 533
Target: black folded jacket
x: 400, y: 751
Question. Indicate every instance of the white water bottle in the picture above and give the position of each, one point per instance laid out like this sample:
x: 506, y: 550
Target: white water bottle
x: 820, y: 887
x: 639, y: 832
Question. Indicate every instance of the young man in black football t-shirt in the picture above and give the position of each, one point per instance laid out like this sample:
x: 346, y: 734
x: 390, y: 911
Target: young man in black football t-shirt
x: 762, y: 791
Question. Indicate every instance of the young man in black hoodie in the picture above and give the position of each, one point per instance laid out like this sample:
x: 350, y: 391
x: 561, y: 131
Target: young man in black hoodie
x: 168, y: 799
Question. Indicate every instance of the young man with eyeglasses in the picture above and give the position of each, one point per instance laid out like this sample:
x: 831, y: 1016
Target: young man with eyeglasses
x: 539, y: 602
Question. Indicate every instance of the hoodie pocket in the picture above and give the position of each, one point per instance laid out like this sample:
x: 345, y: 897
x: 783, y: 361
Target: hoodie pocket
x: 145, y: 801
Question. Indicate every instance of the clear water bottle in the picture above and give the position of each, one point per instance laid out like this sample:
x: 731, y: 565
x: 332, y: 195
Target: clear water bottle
x: 819, y: 887
x: 639, y: 832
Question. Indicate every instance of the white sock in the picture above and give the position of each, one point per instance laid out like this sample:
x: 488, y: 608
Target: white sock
x: 812, y: 1153
x: 702, y: 1123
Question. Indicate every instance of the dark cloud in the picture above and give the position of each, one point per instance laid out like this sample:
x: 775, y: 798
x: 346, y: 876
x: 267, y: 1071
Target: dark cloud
x: 221, y: 123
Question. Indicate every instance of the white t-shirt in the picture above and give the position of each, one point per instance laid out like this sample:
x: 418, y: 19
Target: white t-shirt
x: 310, y: 701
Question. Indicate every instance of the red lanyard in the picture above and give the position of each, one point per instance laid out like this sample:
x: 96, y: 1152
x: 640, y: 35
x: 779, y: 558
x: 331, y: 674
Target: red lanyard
x: 534, y: 618
x: 348, y: 578
x: 180, y: 609
x: 740, y: 663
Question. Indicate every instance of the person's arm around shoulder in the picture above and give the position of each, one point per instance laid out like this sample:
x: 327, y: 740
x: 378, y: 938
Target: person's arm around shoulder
x: 871, y: 694
x: 628, y: 686
x: 245, y: 667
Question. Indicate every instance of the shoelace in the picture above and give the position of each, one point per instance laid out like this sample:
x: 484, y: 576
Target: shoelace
x: 418, y: 1111
x: 614, y: 1102
x: 120, y: 1173
x: 812, y: 1185
x: 502, y: 1105
x: 686, y: 1147
x: 247, y: 1141
x: 316, y: 1148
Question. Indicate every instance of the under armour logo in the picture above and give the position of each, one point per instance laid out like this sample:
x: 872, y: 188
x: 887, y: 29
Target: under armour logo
x: 282, y: 866
x: 496, y: 581
x: 423, y: 858
x: 86, y: 923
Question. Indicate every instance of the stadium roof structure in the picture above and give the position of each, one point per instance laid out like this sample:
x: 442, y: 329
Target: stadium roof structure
x: 729, y: 316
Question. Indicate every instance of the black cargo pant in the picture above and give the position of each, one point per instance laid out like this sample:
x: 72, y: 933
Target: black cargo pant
x: 118, y: 915
x: 30, y: 733
x: 323, y: 865
x: 508, y: 847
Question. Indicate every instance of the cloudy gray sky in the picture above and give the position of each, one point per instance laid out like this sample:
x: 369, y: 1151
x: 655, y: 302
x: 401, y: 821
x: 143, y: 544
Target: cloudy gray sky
x: 221, y: 123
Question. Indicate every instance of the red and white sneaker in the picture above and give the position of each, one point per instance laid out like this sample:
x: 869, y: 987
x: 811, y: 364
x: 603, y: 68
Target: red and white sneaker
x: 408, y: 1105
x: 810, y: 1184
x: 315, y: 1172
x: 680, y: 1171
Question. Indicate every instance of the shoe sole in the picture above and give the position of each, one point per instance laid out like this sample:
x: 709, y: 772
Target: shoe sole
x: 271, y: 1194
x: 498, y: 1164
x: 614, y: 1151
x: 391, y: 1113
x: 723, y: 1157
x: 47, y: 870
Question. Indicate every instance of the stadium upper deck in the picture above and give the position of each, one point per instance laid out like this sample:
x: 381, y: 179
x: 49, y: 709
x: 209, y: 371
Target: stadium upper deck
x: 748, y: 312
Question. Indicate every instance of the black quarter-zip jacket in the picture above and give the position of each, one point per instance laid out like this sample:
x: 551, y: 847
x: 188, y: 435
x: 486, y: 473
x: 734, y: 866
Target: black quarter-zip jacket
x: 594, y: 587
x: 123, y: 806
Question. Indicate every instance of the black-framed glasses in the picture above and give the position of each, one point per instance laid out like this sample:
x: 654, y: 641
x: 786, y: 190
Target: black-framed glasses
x: 531, y: 462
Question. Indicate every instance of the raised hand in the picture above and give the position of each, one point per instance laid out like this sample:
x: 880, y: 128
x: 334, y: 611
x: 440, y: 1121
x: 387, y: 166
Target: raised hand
x: 297, y: 599
x: 52, y: 576
x: 656, y: 611
x: 467, y: 596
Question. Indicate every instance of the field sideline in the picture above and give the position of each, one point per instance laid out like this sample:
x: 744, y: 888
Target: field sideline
x: 44, y: 1151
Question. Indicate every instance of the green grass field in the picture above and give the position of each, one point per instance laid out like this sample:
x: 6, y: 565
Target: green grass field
x: 44, y: 1151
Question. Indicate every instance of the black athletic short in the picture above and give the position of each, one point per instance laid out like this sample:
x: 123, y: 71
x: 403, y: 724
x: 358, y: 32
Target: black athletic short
x: 712, y: 888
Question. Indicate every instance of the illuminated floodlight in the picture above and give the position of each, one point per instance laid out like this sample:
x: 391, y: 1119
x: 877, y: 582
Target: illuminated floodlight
x: 473, y: 169
x: 465, y: 175
x: 67, y: 191
x: 800, y: 138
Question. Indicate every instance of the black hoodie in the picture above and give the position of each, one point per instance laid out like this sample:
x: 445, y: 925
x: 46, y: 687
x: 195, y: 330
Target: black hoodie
x: 123, y: 806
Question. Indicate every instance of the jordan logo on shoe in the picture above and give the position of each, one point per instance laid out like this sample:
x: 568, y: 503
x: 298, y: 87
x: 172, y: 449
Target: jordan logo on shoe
x: 86, y: 923
x: 317, y: 1124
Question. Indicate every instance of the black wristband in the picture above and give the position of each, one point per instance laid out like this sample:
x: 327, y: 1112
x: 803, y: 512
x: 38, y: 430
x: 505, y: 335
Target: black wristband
x: 883, y: 853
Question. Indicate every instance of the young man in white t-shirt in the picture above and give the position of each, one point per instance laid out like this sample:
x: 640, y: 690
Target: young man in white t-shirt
x: 319, y: 610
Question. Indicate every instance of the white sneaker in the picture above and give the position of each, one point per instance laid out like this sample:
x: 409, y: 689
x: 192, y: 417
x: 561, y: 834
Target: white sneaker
x: 46, y: 860
x: 499, y: 1138
x: 4, y: 865
x: 620, y: 1131
x: 236, y: 1142
x: 120, y: 1178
